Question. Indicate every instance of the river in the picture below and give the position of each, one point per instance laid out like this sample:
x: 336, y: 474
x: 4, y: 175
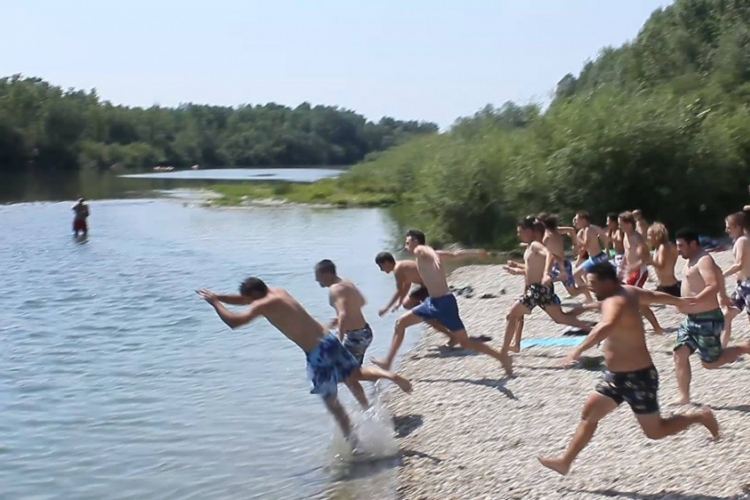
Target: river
x: 120, y: 383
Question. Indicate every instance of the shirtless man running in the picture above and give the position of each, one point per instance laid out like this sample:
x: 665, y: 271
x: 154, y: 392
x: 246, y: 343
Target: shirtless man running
x: 641, y: 225
x: 441, y: 305
x: 701, y: 330
x: 538, y: 290
x: 614, y: 243
x: 589, y: 237
x: 562, y: 269
x: 634, y: 262
x: 354, y: 331
x: 631, y: 376
x: 664, y: 259
x: 328, y: 361
x: 735, y: 227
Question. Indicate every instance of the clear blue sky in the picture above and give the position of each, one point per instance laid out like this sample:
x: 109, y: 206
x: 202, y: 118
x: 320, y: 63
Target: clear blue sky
x: 408, y: 59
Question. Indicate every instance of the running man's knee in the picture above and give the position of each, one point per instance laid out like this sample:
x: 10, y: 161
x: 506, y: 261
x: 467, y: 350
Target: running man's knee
x: 681, y: 355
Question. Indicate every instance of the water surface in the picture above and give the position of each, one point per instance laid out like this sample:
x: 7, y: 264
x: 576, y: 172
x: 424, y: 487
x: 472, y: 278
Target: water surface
x: 120, y: 383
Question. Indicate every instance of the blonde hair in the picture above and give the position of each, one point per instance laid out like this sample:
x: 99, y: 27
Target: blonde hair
x: 660, y: 232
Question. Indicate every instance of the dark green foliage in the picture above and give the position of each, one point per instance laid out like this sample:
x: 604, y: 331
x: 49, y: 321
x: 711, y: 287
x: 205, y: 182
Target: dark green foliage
x: 46, y: 126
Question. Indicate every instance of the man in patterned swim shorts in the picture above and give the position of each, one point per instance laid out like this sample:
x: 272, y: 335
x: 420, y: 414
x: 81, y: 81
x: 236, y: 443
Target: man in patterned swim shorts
x: 701, y: 330
x: 354, y: 331
x: 538, y: 290
x: 328, y: 361
x: 631, y: 376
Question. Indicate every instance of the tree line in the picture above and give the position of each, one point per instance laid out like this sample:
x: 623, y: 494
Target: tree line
x: 46, y: 126
x: 661, y: 124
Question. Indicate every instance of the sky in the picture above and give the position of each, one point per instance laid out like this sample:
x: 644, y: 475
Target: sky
x: 409, y: 59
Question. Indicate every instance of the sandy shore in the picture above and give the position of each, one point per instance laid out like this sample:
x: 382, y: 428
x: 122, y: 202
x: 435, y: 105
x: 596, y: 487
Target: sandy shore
x: 468, y: 433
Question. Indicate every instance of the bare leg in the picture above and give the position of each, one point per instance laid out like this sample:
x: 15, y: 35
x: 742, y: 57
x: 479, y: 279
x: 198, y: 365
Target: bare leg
x: 684, y: 374
x: 729, y: 315
x: 581, y: 284
x: 596, y: 408
x: 402, y: 323
x: 358, y: 392
x: 558, y: 316
x: 516, y: 313
x: 651, y: 317
x: 375, y: 373
x: 729, y: 355
x: 339, y: 414
x: 473, y: 345
x: 655, y: 427
x: 516, y: 345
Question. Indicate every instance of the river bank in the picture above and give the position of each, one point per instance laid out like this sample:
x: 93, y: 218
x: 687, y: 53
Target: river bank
x: 467, y: 432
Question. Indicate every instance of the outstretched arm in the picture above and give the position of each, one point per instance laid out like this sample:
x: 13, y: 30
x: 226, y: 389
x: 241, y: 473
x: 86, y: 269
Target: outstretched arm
x: 231, y: 319
x: 462, y: 253
x: 234, y: 299
x: 648, y: 297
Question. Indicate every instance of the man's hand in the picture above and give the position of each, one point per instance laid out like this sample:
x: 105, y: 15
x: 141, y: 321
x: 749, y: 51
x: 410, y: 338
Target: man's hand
x: 726, y: 301
x: 687, y: 302
x: 396, y: 307
x: 571, y: 359
x: 208, y: 296
x: 382, y: 311
x: 547, y: 280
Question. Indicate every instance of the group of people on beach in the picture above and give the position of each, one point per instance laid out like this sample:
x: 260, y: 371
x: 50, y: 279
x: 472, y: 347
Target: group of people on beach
x: 612, y: 262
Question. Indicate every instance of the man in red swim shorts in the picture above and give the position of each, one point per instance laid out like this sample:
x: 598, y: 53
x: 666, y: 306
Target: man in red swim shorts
x: 81, y: 210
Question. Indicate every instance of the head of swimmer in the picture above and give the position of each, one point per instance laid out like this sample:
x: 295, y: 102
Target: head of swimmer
x: 414, y: 238
x: 736, y: 224
x: 603, y: 280
x: 385, y: 261
x: 529, y: 228
x: 581, y: 219
x: 253, y: 289
x: 325, y: 273
x: 688, y: 243
x: 657, y: 235
x: 627, y: 222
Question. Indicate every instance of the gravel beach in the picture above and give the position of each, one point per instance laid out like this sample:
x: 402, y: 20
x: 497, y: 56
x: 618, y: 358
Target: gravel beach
x: 467, y: 432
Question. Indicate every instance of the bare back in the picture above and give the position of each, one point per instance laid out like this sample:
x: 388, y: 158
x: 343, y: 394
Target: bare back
x: 664, y: 261
x: 741, y: 252
x: 347, y: 300
x: 290, y: 318
x: 694, y: 282
x: 625, y: 348
x: 554, y: 242
x: 406, y: 271
x: 431, y: 270
x: 534, y: 259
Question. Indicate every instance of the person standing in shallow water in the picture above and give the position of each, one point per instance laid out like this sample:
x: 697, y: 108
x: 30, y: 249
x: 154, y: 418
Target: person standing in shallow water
x: 631, y: 376
x: 328, y: 361
x: 354, y: 331
x: 81, y: 210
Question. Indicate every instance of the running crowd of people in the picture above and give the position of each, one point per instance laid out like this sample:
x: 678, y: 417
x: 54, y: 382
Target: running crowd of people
x: 611, y: 262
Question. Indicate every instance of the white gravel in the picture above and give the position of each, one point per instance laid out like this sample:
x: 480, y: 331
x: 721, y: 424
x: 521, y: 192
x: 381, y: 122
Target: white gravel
x: 466, y: 432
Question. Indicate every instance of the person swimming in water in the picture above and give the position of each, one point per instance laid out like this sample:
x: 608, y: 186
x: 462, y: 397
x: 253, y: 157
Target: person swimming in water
x: 328, y: 361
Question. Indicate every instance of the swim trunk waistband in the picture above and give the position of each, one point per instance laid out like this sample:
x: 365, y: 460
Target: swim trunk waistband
x: 712, y: 315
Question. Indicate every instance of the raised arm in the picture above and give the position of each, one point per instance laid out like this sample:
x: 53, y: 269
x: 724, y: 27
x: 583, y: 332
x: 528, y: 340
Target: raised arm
x: 234, y: 299
x: 231, y: 319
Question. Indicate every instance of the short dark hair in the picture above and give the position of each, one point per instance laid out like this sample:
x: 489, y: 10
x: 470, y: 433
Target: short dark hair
x: 550, y: 221
x: 627, y: 217
x: 528, y: 222
x: 738, y: 219
x: 384, y: 257
x: 604, y: 271
x: 582, y: 214
x: 612, y: 216
x: 418, y: 235
x: 326, y: 266
x: 687, y: 234
x: 253, y: 286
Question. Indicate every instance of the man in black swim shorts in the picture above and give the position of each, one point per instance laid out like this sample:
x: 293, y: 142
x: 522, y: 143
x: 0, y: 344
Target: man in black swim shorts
x: 631, y: 376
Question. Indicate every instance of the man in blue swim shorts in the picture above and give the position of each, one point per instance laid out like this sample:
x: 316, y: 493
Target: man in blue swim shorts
x: 701, y: 330
x: 440, y: 306
x: 590, y: 238
x: 328, y: 361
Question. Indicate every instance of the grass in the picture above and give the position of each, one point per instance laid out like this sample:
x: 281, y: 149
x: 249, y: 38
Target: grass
x: 325, y: 191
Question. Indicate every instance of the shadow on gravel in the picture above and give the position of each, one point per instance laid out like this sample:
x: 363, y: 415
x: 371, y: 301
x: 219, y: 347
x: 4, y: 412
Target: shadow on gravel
x: 740, y: 408
x: 406, y: 424
x: 664, y: 495
x: 498, y: 384
x: 419, y: 454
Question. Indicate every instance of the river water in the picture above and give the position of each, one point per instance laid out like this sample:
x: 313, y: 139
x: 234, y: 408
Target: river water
x: 119, y: 382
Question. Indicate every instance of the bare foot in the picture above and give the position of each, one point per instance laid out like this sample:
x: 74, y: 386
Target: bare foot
x: 450, y: 344
x: 381, y: 363
x: 555, y: 464
x: 515, y: 348
x: 680, y: 402
x: 507, y: 363
x: 402, y: 383
x: 710, y: 422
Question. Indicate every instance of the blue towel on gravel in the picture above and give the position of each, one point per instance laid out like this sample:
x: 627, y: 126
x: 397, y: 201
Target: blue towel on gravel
x: 551, y: 342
